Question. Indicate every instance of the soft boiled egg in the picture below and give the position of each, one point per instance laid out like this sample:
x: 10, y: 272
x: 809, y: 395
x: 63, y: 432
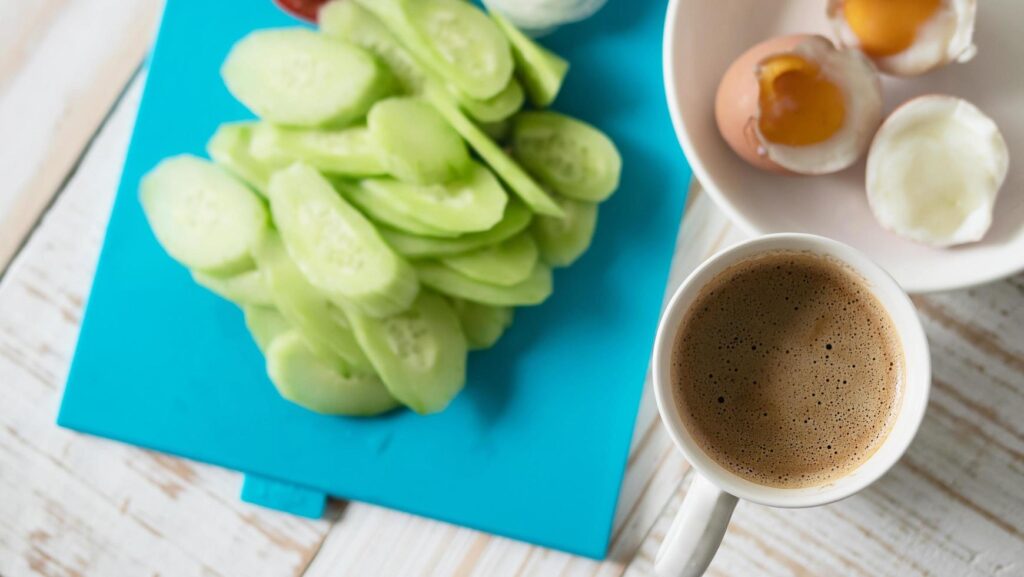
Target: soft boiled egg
x: 934, y: 170
x: 906, y: 37
x: 796, y: 104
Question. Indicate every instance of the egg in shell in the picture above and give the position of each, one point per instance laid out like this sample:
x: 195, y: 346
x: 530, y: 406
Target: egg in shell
x: 796, y: 104
x: 935, y: 169
x: 906, y: 37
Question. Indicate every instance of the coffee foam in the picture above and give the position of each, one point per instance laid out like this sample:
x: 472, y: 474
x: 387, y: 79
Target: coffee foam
x: 788, y: 371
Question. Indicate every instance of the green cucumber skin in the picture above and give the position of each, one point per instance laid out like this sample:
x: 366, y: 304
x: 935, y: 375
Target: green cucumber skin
x: 335, y: 247
x: 351, y: 152
x: 295, y: 77
x: 265, y: 323
x: 426, y: 373
x: 220, y: 238
x: 499, y: 107
x: 571, y: 157
x: 482, y: 324
x: 507, y: 263
x: 230, y: 147
x: 541, y: 70
x: 514, y: 176
x: 382, y: 208
x: 418, y: 144
x: 306, y: 308
x: 515, y: 220
x: 532, y: 291
x: 564, y: 240
x: 245, y: 288
x: 309, y: 381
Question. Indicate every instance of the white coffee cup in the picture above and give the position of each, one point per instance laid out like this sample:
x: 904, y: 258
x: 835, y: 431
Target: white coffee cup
x: 698, y: 528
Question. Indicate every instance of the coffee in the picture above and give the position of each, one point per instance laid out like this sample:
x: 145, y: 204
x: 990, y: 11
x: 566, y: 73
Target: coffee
x: 787, y: 370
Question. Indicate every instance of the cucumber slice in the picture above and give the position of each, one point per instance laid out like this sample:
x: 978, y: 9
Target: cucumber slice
x: 203, y: 217
x: 482, y: 324
x: 244, y: 288
x: 350, y: 151
x: 474, y: 202
x: 452, y: 38
x: 336, y: 248
x: 379, y: 205
x: 532, y: 291
x: 230, y: 148
x: 498, y: 107
x: 419, y: 145
x: 420, y: 354
x: 571, y: 157
x: 506, y: 264
x: 306, y: 308
x: 563, y: 240
x: 541, y: 70
x: 297, y: 77
x: 348, y: 21
x: 265, y: 323
x: 514, y: 176
x: 310, y: 382
x: 497, y: 131
x: 517, y: 217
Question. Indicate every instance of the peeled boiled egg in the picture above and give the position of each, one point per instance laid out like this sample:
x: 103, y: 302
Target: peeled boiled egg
x: 796, y: 104
x: 906, y: 37
x: 934, y: 170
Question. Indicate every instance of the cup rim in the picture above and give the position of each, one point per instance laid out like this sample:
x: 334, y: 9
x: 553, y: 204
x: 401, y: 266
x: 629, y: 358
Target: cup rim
x: 916, y: 386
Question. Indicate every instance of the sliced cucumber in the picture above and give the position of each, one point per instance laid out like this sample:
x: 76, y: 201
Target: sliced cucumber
x: 265, y: 323
x: 452, y: 38
x: 350, y: 151
x: 244, y: 288
x: 420, y: 354
x: 309, y: 381
x: 205, y: 218
x: 563, y: 240
x: 474, y: 202
x: 498, y: 107
x: 518, y: 180
x: 517, y: 217
x: 541, y: 70
x: 571, y: 157
x: 230, y: 148
x: 297, y: 77
x: 507, y: 263
x: 378, y: 204
x: 306, y: 308
x: 534, y: 290
x: 349, y: 21
x: 498, y: 131
x: 482, y: 324
x: 418, y: 143
x: 337, y: 249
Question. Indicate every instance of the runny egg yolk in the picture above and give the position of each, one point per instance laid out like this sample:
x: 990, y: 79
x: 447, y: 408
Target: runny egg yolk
x: 798, y: 105
x: 887, y: 27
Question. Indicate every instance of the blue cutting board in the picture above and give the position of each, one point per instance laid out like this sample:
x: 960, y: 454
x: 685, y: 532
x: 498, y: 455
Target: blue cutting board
x: 534, y: 448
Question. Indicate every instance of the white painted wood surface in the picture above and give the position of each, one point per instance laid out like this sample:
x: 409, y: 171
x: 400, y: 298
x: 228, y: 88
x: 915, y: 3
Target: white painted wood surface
x: 72, y: 505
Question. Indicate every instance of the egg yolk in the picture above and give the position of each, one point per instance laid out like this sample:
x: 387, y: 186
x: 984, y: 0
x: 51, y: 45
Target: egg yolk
x: 799, y: 106
x: 887, y: 27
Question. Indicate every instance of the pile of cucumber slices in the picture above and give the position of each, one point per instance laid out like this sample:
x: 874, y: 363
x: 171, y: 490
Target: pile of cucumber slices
x: 394, y: 203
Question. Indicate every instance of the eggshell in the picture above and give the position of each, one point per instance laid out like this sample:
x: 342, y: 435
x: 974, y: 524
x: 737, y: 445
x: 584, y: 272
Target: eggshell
x: 736, y: 103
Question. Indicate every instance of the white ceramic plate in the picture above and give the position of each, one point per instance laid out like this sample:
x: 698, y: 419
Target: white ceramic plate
x: 703, y: 37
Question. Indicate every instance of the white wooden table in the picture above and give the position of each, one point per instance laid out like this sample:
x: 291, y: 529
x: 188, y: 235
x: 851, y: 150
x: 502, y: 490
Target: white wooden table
x: 72, y: 506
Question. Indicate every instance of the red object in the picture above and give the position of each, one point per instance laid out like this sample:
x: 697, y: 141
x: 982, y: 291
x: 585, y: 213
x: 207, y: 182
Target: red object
x: 305, y: 9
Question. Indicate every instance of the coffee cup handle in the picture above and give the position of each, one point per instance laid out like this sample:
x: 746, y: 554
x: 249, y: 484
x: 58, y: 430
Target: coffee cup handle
x: 696, y: 532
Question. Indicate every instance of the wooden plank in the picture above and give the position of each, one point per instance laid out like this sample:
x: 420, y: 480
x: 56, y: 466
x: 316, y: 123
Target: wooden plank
x: 62, y: 65
x: 73, y: 505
